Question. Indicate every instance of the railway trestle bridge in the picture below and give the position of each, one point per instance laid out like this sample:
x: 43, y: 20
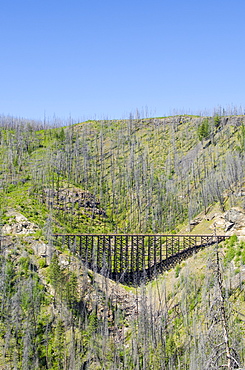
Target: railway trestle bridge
x: 131, y: 258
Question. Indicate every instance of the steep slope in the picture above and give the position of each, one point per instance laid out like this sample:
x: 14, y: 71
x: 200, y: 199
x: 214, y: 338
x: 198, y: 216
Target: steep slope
x: 56, y: 314
x: 135, y: 175
x: 148, y: 175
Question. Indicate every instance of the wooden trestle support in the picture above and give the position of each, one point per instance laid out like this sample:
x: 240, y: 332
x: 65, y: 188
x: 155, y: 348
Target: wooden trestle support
x: 130, y: 258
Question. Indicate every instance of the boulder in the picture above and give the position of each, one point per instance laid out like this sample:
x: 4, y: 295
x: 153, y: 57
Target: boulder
x: 236, y: 217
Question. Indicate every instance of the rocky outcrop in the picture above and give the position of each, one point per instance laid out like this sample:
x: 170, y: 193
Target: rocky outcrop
x: 236, y: 217
x: 73, y: 200
x: 18, y: 225
x: 235, y: 221
x: 230, y: 222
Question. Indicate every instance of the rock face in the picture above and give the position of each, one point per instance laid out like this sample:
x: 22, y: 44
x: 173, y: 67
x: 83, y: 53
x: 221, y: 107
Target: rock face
x: 18, y: 225
x: 235, y: 219
x: 73, y: 199
x: 231, y: 222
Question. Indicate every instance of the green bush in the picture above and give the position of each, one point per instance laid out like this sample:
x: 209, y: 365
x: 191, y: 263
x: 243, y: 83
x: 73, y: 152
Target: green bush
x: 177, y: 271
x: 217, y: 120
x: 42, y: 263
x: 203, y: 130
x: 233, y: 240
x: 230, y: 254
x: 243, y: 257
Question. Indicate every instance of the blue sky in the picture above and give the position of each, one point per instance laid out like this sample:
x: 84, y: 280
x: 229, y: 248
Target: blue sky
x: 104, y: 59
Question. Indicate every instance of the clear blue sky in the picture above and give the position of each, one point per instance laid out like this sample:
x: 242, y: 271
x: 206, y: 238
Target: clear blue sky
x: 99, y: 59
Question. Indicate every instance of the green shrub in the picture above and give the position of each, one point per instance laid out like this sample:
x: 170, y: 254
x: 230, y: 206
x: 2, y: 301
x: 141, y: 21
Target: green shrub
x: 177, y: 271
x: 233, y: 240
x: 243, y: 257
x: 217, y: 120
x: 42, y: 263
x: 230, y: 254
x: 203, y: 129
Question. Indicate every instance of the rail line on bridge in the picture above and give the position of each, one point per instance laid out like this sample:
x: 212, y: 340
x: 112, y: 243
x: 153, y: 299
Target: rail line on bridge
x: 131, y: 258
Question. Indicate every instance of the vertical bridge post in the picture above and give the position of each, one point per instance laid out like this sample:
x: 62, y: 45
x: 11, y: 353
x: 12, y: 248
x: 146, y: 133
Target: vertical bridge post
x: 129, y: 258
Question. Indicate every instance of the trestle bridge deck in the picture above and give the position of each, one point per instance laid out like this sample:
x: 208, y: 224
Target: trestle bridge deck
x: 130, y: 258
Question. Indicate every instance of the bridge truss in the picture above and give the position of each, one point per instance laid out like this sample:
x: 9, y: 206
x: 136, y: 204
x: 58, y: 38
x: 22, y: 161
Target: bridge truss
x: 130, y: 258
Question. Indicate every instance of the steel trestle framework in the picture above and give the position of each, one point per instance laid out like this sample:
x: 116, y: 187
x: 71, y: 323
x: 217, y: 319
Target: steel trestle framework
x: 131, y: 258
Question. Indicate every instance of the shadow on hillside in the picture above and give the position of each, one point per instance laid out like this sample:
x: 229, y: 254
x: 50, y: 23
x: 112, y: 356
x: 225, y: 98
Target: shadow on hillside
x: 141, y: 277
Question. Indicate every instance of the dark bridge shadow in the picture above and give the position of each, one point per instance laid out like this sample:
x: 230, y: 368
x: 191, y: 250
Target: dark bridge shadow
x: 133, y: 259
x: 143, y: 276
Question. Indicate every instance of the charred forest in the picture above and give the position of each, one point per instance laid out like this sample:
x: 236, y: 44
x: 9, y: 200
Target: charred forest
x: 173, y: 175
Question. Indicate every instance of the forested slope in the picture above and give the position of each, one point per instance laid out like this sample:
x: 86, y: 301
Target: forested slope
x: 56, y: 314
x: 136, y: 175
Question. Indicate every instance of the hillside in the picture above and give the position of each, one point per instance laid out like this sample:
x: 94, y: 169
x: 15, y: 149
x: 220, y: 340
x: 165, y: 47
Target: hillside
x: 147, y: 175
x: 56, y: 314
x: 173, y: 174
